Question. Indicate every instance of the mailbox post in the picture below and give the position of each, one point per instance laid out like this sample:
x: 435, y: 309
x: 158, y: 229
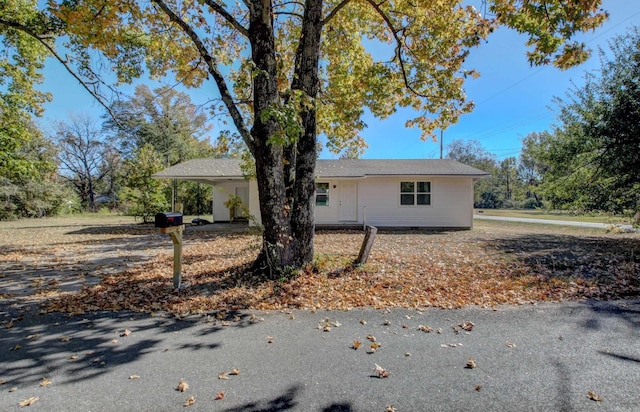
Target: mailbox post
x: 171, y: 223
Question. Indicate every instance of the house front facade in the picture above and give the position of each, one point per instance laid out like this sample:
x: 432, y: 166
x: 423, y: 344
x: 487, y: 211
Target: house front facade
x: 421, y: 193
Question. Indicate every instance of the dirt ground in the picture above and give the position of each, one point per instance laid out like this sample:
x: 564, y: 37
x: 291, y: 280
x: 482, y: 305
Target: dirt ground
x: 114, y: 263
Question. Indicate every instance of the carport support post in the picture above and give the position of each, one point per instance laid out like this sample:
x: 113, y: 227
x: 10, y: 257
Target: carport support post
x: 176, y: 236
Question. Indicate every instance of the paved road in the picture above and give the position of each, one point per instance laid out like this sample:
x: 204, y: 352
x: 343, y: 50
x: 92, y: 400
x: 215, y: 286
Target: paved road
x: 544, y: 357
x: 552, y: 222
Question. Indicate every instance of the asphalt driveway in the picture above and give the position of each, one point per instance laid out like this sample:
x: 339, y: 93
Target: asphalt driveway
x: 544, y: 357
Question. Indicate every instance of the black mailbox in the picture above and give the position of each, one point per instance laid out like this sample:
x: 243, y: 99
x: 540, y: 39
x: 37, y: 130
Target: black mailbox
x: 168, y: 219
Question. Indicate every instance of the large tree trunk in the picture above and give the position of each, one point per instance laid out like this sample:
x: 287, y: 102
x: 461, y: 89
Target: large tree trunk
x: 306, y: 79
x: 276, y: 216
x: 285, y: 174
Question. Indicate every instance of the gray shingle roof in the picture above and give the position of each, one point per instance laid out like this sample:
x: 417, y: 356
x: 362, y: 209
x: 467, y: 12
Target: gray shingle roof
x: 206, y: 169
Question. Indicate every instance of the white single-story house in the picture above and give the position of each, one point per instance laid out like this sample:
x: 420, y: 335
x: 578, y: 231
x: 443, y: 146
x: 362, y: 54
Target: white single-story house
x: 436, y: 193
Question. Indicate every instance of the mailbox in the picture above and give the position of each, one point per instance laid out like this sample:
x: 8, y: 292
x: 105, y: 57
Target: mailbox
x: 168, y: 219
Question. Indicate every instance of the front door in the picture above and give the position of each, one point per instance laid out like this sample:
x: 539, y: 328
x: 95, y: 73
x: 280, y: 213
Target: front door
x: 348, y: 203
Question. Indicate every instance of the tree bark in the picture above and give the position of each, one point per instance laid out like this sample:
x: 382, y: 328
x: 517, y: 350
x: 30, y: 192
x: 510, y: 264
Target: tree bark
x: 306, y: 79
x: 285, y: 174
x: 276, y: 248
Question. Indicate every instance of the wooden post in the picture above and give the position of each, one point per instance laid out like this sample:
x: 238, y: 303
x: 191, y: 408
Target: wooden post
x: 367, y: 244
x: 176, y: 236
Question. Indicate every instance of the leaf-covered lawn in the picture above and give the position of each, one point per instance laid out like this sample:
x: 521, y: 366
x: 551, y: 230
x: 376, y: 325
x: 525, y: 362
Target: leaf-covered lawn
x: 490, y: 265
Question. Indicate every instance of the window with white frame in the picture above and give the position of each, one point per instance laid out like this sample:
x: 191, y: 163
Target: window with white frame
x: 415, y: 193
x: 322, y: 194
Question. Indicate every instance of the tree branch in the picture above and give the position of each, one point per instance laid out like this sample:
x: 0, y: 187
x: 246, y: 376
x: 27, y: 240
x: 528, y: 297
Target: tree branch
x: 287, y: 13
x: 43, y: 39
x: 335, y: 11
x: 398, y: 50
x: 212, y: 67
x: 227, y: 16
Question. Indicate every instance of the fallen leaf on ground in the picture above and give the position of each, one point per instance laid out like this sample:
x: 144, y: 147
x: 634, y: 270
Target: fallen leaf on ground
x: 132, y: 377
x: 45, y: 382
x: 28, y: 402
x: 408, y: 354
x: 126, y: 332
x: 381, y: 372
x: 269, y: 339
x: 593, y: 396
x: 182, y: 386
x: 190, y: 401
x: 471, y: 364
x: 356, y: 344
x: 2, y: 381
x: 390, y: 408
x: 223, y: 375
x: 234, y: 371
x: 114, y: 340
x: 34, y: 336
x: 478, y: 387
x: 65, y: 338
x: 363, y: 322
x: 15, y: 388
x: 73, y: 357
x: 425, y: 328
x: 371, y: 338
x: 511, y: 345
x: 219, y: 396
x: 17, y: 347
x: 467, y: 325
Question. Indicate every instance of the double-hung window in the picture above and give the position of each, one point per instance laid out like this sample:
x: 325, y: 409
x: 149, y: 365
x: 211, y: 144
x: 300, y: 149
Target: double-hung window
x: 415, y: 193
x: 322, y: 194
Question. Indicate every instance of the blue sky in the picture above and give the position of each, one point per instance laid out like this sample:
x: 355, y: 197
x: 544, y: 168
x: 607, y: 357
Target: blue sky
x: 512, y: 99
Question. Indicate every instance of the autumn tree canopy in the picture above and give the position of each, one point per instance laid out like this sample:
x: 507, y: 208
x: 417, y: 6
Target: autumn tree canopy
x: 286, y: 71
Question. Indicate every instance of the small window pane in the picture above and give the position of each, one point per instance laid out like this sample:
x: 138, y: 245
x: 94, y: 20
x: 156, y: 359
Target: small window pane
x: 322, y: 187
x: 406, y: 187
x: 406, y: 199
x: 322, y: 200
x: 424, y: 187
x: 424, y: 199
x: 322, y: 194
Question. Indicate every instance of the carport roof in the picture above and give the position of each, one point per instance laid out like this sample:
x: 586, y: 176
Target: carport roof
x: 211, y: 169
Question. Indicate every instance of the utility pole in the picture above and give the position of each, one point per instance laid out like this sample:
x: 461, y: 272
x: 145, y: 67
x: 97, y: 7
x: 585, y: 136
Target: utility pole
x: 441, y: 143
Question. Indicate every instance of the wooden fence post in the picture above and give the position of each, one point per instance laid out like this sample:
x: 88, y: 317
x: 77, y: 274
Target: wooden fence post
x: 367, y: 244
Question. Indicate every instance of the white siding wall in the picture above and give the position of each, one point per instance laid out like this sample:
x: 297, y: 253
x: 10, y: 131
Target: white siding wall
x: 328, y: 214
x: 221, y: 192
x: 254, y: 203
x: 379, y: 203
x: 451, y: 203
